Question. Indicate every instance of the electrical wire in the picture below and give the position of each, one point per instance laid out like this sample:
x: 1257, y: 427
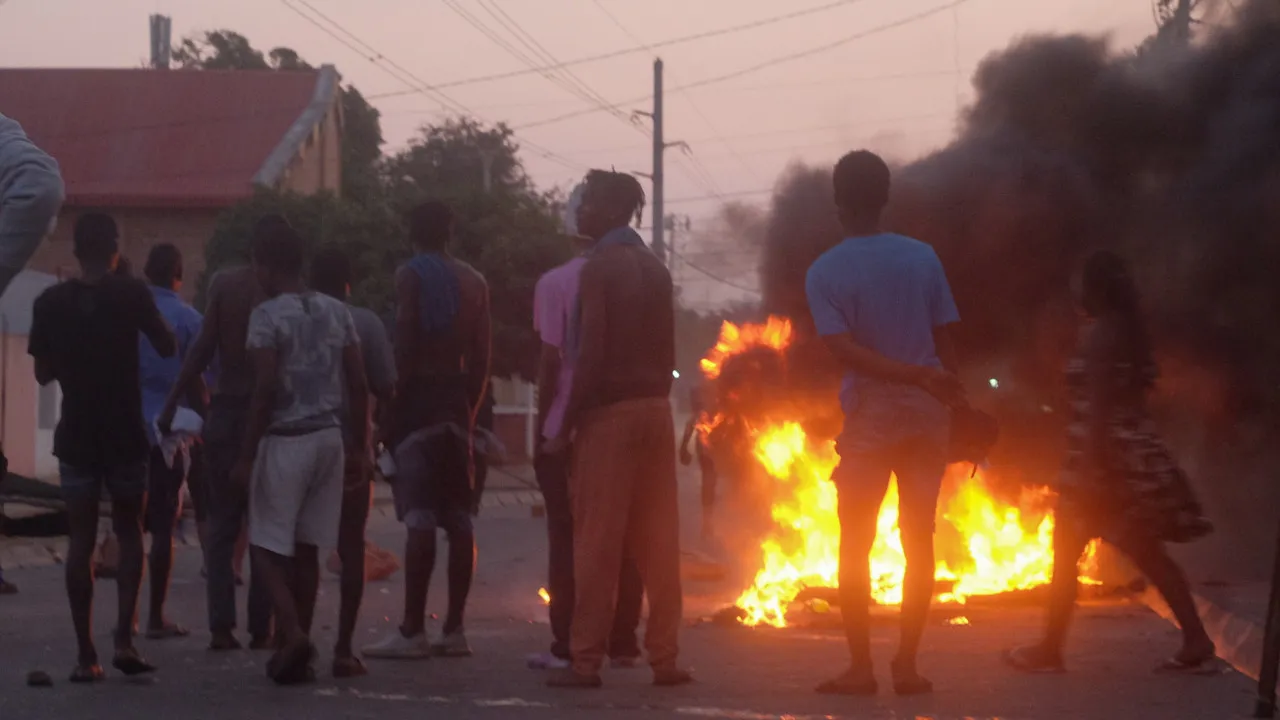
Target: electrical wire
x: 714, y: 276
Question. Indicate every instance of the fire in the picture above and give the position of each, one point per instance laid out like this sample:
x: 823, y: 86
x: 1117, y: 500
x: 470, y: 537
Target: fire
x: 545, y: 596
x: 985, y: 546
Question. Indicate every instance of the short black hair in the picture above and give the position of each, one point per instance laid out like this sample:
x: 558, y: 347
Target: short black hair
x: 164, y: 265
x: 331, y: 272
x: 278, y: 248
x: 96, y: 238
x: 861, y: 182
x: 620, y: 193
x: 431, y: 224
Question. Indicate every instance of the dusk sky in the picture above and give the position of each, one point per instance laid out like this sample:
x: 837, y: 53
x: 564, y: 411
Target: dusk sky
x: 895, y: 90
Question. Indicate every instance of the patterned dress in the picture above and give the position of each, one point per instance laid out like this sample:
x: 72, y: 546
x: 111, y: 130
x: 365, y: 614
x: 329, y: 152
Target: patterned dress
x: 1141, y: 492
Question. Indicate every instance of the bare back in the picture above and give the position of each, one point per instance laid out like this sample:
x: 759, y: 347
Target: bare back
x: 233, y: 294
x: 462, y: 349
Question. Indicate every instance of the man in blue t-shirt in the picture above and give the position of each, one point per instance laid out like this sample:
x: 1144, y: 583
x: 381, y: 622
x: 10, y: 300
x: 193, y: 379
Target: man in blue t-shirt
x: 882, y: 305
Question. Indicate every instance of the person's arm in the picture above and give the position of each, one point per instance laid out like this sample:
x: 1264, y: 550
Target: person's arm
x: 38, y: 342
x: 152, y: 323
x: 479, y: 354
x: 31, y: 194
x: 264, y: 357
x: 198, y: 356
x: 548, y: 321
x: 379, y: 367
x: 407, y: 327
x: 548, y: 381
x: 942, y: 308
x: 588, y: 372
x: 357, y: 382
x: 197, y: 393
x: 1100, y: 354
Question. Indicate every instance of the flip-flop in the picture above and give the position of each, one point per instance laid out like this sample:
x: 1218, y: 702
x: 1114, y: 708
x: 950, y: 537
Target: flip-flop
x: 1018, y: 660
x: 129, y: 662
x: 169, y: 631
x: 1176, y: 666
x: 349, y: 667
x: 84, y: 674
x: 846, y: 685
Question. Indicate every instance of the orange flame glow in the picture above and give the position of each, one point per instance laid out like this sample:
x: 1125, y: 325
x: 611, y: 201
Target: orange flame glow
x: 1001, y: 547
x: 546, y: 596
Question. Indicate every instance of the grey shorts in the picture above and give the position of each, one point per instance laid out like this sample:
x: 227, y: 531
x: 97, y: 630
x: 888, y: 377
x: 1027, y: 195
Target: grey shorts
x: 432, y: 486
x: 295, y: 495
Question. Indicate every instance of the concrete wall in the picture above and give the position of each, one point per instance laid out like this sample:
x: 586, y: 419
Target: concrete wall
x: 27, y: 432
x: 140, y: 229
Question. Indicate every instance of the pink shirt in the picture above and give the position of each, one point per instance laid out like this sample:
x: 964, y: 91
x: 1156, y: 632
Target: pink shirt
x: 554, y: 299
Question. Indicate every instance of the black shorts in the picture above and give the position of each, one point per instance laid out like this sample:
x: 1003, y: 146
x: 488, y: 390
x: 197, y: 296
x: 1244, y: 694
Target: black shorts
x: 164, y: 492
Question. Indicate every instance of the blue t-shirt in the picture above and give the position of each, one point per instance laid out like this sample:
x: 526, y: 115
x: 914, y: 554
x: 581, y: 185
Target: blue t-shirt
x: 159, y: 374
x: 889, y: 292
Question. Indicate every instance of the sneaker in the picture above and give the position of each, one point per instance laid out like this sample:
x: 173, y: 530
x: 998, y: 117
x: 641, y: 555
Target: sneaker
x: 398, y: 647
x: 625, y: 663
x: 546, y: 661
x: 452, y: 644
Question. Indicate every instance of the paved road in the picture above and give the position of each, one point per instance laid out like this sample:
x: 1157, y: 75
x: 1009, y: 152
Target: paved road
x: 742, y: 674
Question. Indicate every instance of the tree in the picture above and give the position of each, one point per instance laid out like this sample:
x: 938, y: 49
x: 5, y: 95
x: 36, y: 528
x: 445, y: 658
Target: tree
x: 361, y: 128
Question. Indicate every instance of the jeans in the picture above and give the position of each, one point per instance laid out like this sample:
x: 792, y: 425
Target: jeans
x: 228, y: 513
x: 553, y: 479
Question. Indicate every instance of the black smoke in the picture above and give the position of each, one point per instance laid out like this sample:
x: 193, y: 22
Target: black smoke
x: 1169, y: 155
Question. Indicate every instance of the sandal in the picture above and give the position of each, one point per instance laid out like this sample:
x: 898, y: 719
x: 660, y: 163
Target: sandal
x: 849, y: 684
x: 83, y: 674
x: 907, y: 681
x: 1178, y: 666
x: 167, y: 631
x: 1025, y: 659
x: 349, y: 667
x: 129, y: 662
x: 291, y: 664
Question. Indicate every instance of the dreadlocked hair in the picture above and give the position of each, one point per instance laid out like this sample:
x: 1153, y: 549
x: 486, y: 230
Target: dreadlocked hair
x: 618, y: 191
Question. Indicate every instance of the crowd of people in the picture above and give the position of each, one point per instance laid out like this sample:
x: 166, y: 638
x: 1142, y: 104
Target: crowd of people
x: 307, y: 386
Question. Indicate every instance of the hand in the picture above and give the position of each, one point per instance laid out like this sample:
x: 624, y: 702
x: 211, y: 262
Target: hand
x: 241, y: 474
x: 556, y: 446
x: 686, y: 457
x: 165, y: 420
x: 942, y: 385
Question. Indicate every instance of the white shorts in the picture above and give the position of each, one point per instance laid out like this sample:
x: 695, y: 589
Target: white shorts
x: 295, y: 496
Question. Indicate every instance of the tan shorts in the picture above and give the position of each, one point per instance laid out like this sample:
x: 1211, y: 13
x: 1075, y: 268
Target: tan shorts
x: 295, y: 496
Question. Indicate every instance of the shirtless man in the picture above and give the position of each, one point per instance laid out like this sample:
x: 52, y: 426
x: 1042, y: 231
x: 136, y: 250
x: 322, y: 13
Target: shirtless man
x: 442, y: 370
x: 233, y: 294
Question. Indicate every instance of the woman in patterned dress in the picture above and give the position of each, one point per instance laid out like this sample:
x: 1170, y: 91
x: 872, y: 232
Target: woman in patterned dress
x: 1119, y: 481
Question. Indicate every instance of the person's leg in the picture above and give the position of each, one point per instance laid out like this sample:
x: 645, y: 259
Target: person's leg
x: 82, y: 492
x: 653, y: 532
x: 1153, y: 560
x: 306, y: 583
x: 709, y: 483
x: 164, y: 486
x: 624, y: 648
x: 600, y: 489
x: 317, y: 462
x: 128, y: 487
x: 455, y: 518
x: 226, y: 521
x: 919, y: 467
x: 553, y: 479
x: 413, y: 472
x: 861, y: 481
x: 1069, y: 541
x: 351, y: 553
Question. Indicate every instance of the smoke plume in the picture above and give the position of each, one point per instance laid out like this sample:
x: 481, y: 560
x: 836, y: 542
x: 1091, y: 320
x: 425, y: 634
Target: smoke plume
x: 1169, y: 155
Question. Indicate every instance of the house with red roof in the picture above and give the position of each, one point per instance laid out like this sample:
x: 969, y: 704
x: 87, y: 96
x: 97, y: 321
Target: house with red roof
x: 165, y: 151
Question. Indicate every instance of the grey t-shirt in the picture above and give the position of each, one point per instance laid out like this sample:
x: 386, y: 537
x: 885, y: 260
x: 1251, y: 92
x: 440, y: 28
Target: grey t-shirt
x: 309, y: 331
x: 375, y: 350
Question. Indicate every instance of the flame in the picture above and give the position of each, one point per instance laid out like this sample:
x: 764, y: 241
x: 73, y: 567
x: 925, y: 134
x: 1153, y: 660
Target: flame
x: 985, y: 546
x: 546, y: 596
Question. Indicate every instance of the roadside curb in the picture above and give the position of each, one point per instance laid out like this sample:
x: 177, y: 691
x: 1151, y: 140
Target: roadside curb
x: 1238, y: 637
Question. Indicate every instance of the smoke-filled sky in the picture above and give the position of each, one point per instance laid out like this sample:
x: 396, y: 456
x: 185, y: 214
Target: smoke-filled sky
x: 896, y: 90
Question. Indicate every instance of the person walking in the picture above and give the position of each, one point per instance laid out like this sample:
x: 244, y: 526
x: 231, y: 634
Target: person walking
x: 882, y: 306
x: 84, y: 336
x: 622, y: 485
x: 1118, y: 482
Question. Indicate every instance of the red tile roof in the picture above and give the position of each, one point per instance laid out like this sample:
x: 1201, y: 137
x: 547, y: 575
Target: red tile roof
x: 156, y: 137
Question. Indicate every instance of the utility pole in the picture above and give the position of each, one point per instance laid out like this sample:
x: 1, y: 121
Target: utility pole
x: 659, y: 149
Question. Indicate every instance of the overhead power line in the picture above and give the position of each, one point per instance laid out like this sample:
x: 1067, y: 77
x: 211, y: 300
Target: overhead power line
x: 714, y: 276
x: 632, y: 50
x: 791, y: 57
x: 345, y: 37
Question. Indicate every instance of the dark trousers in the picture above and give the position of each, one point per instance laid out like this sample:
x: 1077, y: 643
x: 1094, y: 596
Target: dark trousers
x: 228, y: 512
x: 553, y: 479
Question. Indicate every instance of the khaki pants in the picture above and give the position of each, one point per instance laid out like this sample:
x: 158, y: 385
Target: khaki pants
x: 623, y: 492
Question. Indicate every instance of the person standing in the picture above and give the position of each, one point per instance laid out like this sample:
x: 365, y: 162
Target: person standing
x: 331, y: 275
x: 554, y: 300
x: 165, y: 476
x: 622, y: 485
x: 233, y: 294
x: 84, y: 336
x: 305, y: 352
x: 1119, y: 482
x: 882, y: 306
x: 706, y: 465
x: 442, y: 337
x: 31, y: 193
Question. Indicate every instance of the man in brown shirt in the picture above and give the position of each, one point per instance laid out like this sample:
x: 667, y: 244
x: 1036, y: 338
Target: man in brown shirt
x: 623, y: 483
x: 233, y: 294
x: 442, y: 369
